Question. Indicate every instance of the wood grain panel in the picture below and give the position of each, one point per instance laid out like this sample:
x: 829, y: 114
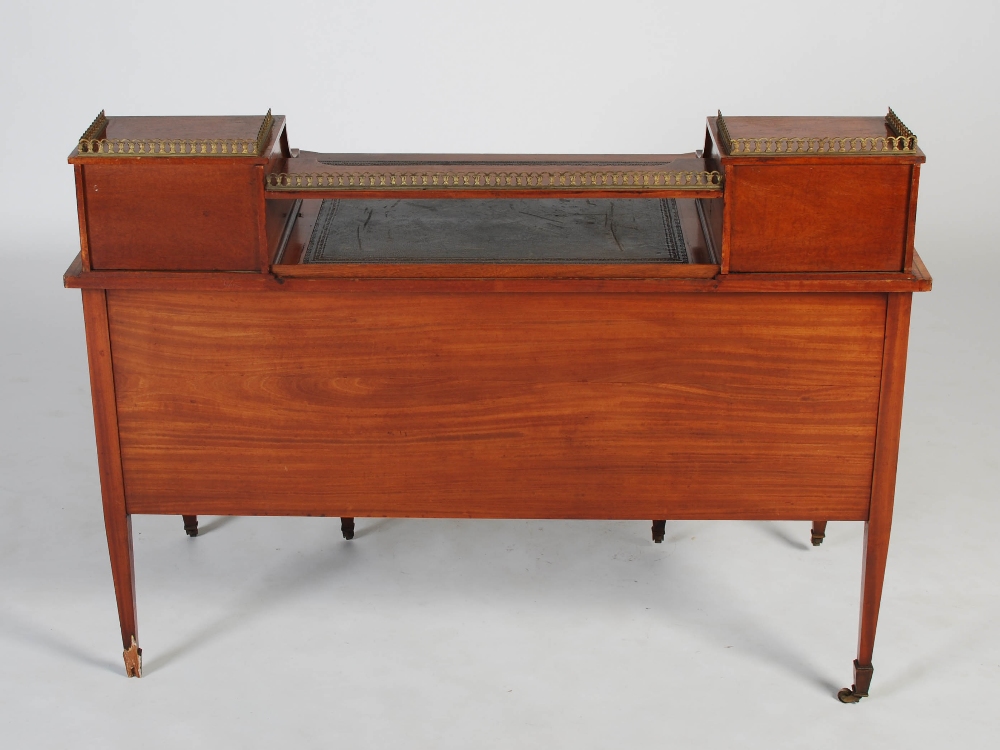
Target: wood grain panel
x: 163, y: 215
x: 830, y: 217
x: 498, y: 405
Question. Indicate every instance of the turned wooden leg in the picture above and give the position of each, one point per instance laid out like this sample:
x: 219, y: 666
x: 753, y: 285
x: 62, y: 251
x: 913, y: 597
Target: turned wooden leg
x: 347, y: 527
x: 191, y: 525
x: 659, y: 529
x: 890, y: 411
x: 818, y: 532
x: 117, y: 522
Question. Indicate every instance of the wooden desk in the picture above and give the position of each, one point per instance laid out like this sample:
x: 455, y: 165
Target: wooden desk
x: 713, y: 335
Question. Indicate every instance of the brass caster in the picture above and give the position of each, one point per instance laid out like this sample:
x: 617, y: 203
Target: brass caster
x: 133, y: 660
x: 818, y: 532
x: 659, y: 529
x: 347, y: 528
x: 847, y: 695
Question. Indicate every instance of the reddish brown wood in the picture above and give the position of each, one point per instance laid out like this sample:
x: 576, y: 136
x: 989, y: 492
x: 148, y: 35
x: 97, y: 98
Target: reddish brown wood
x: 439, y: 271
x: 284, y: 151
x: 823, y: 217
x: 265, y: 252
x: 897, y: 327
x: 161, y: 215
x: 525, y: 406
x: 911, y: 219
x: 276, y: 213
x: 727, y: 226
x: 920, y: 272
x: 81, y: 212
x: 117, y: 522
x: 503, y: 278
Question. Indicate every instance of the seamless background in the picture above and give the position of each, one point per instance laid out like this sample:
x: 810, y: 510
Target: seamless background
x: 439, y: 634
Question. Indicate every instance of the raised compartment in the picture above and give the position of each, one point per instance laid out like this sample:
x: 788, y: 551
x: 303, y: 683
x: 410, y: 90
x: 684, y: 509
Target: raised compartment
x: 816, y: 194
x: 175, y: 193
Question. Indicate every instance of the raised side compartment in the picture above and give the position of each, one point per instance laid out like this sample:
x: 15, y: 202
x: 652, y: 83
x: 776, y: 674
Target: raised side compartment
x: 176, y: 193
x: 816, y: 194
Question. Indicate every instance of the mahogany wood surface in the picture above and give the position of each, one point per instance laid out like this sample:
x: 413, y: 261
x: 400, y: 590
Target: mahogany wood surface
x: 911, y: 220
x: 502, y: 405
x: 81, y: 212
x: 157, y: 214
x: 481, y: 278
x: 117, y: 522
x: 824, y: 217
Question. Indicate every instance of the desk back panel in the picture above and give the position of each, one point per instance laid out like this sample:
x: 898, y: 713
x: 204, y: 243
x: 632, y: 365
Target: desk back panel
x: 688, y: 405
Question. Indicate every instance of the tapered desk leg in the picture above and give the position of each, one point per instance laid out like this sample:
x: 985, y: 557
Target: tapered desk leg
x: 659, y: 530
x: 117, y: 522
x: 818, y: 532
x: 890, y: 411
x: 191, y: 525
x: 347, y: 527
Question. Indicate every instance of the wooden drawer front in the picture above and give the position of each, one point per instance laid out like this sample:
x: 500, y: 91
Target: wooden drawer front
x: 498, y: 404
x: 160, y: 215
x: 826, y: 217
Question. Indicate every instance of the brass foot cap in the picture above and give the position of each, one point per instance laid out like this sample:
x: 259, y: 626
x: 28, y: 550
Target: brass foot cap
x: 847, y: 695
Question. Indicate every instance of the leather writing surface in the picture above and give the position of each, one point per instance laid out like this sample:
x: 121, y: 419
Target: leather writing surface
x: 513, y: 231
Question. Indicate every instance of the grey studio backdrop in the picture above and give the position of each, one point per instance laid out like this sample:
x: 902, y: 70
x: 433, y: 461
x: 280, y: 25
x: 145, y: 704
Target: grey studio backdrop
x: 488, y: 634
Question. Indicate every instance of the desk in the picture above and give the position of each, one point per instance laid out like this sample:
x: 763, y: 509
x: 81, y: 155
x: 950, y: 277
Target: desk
x: 713, y: 335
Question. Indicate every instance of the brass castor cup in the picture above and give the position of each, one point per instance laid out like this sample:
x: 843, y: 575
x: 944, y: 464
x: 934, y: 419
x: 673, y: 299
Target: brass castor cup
x: 659, y: 528
x: 847, y: 695
x: 818, y: 532
x: 862, y: 680
x: 347, y: 528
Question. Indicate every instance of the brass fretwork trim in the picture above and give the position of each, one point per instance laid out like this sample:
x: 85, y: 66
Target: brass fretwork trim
x: 724, y: 133
x: 616, y: 180
x: 265, y: 131
x: 898, y: 128
x: 902, y: 142
x: 96, y: 128
x: 91, y: 145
